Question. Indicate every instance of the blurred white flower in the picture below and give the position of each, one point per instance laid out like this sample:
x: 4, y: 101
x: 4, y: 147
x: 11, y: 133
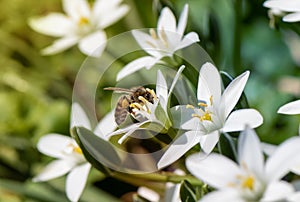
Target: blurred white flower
x: 291, y: 7
x: 252, y: 178
x: 146, y: 113
x: 69, y: 155
x: 168, y: 39
x: 82, y: 24
x: 204, y: 123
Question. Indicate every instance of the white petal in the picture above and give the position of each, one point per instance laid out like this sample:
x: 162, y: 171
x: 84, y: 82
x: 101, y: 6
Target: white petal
x: 250, y: 153
x: 238, y: 119
x: 166, y: 21
x: 93, y: 44
x: 54, y: 145
x: 233, y: 92
x: 135, y: 66
x: 54, y: 169
x: 267, y: 148
x: 182, y: 118
x: 290, y: 108
x: 54, y: 24
x: 148, y: 194
x: 188, y: 40
x: 79, y: 117
x: 183, y: 20
x: 209, y: 141
x: 60, y: 45
x: 162, y: 89
x: 77, y: 9
x: 278, y: 191
x: 295, y: 197
x: 148, y: 44
x: 76, y: 181
x: 285, y: 5
x: 209, y: 83
x: 179, y: 147
x: 106, y: 125
x: 293, y: 17
x: 215, y: 170
x: 176, y: 77
x: 277, y: 165
x: 224, y: 195
x: 112, y: 15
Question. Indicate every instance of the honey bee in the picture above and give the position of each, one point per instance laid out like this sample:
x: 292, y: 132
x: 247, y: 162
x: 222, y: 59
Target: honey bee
x: 135, y: 95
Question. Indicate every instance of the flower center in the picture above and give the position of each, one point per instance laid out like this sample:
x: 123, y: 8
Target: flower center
x: 77, y: 150
x: 205, y: 113
x: 248, y: 182
x: 83, y: 21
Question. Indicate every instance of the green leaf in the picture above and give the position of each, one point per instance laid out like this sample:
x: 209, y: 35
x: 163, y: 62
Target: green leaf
x: 98, y: 152
x: 187, y: 192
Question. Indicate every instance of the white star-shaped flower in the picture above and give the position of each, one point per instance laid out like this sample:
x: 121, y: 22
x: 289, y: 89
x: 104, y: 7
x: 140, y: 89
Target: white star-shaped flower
x: 212, y: 116
x: 69, y: 155
x: 82, y: 24
x: 161, y: 43
x: 252, y: 178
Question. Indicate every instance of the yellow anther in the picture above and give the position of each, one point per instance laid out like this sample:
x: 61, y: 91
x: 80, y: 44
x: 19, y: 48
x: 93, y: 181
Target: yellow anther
x: 83, y: 21
x: 248, y: 183
x: 206, y: 116
x: 211, y: 100
x: 77, y: 149
x: 136, y: 106
x: 188, y: 106
x: 164, y: 37
x: 153, y: 33
x: 202, y: 104
x: 151, y: 91
x: 141, y: 98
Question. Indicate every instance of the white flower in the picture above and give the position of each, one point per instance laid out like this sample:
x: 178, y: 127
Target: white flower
x: 81, y: 24
x: 292, y: 7
x: 290, y: 108
x: 69, y: 155
x: 147, y: 113
x: 251, y: 179
x: 213, y: 116
x: 168, y: 39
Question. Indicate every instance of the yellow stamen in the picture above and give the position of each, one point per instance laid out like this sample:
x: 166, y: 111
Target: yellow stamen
x: 151, y: 91
x: 206, y: 116
x: 136, y: 106
x: 83, y: 21
x: 248, y: 183
x: 211, y: 100
x: 202, y: 104
x: 153, y: 33
x: 77, y: 150
x: 164, y: 38
x: 151, y: 44
x: 141, y: 98
x: 188, y: 106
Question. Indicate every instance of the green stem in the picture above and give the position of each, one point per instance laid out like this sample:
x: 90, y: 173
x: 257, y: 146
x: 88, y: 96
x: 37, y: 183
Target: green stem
x: 156, y: 177
x: 236, y: 53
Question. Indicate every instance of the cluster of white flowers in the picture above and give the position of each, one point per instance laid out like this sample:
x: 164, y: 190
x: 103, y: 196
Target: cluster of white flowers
x: 250, y: 179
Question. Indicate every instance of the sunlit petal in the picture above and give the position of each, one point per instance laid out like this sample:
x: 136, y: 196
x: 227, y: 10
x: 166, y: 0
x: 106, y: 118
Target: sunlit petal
x: 277, y: 165
x: 238, y: 119
x: 76, y: 181
x: 77, y: 9
x: 293, y: 17
x: 209, y: 83
x: 135, y: 66
x: 290, y: 108
x: 250, y: 153
x: 209, y: 141
x: 278, y: 191
x: 183, y: 20
x: 60, y: 45
x: 106, y: 125
x: 54, y: 144
x: 233, y: 92
x: 215, y: 170
x: 93, y: 44
x: 222, y: 195
x: 54, y: 169
x: 179, y: 147
x: 79, y: 117
x: 54, y: 24
x: 166, y: 21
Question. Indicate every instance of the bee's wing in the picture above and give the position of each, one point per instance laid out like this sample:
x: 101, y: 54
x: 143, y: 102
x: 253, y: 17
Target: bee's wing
x: 121, y: 111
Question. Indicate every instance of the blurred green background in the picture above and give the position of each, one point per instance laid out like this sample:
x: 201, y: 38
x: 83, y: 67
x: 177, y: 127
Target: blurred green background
x: 36, y: 91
